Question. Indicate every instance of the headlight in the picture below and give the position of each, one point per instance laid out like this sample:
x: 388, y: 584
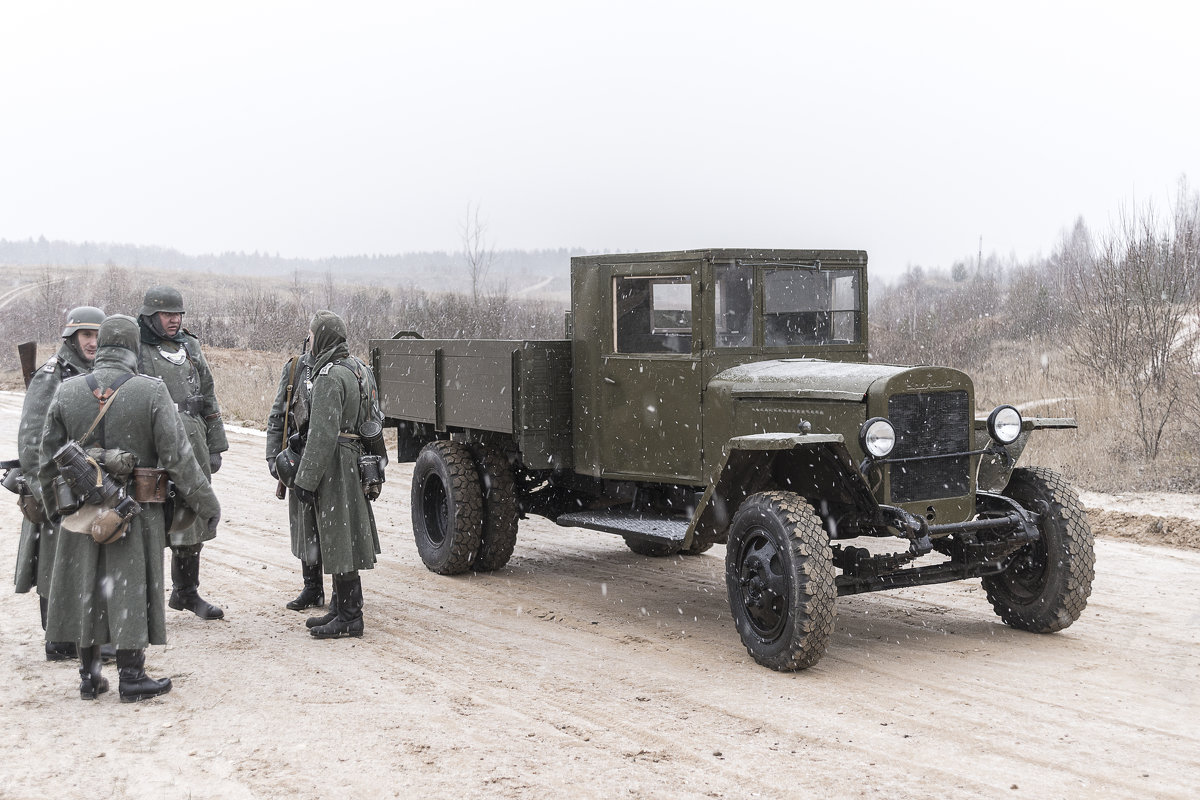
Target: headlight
x: 1004, y: 424
x: 877, y: 437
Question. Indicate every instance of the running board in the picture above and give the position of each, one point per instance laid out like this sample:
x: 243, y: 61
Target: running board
x: 672, y: 530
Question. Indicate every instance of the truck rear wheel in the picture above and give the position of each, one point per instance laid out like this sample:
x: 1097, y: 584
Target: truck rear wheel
x: 780, y: 578
x: 499, y: 531
x: 1047, y: 583
x: 447, y: 507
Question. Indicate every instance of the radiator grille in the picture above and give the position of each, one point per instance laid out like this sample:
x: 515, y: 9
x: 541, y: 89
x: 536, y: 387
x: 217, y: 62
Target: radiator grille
x: 928, y: 425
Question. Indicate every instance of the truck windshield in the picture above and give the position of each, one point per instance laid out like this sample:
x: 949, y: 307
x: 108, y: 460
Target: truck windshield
x: 807, y: 306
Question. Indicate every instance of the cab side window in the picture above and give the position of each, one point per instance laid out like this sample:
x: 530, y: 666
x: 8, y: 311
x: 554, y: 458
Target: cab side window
x: 653, y: 314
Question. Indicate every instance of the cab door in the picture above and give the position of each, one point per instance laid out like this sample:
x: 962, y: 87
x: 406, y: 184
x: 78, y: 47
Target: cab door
x: 651, y: 381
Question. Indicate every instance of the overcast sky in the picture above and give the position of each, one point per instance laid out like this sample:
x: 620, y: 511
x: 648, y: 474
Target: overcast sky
x: 312, y: 129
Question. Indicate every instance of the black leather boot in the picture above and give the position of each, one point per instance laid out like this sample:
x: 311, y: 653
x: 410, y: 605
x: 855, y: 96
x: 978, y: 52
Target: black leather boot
x: 325, y: 619
x: 92, y: 684
x: 135, y: 685
x: 60, y: 651
x: 349, y: 619
x: 313, y: 594
x: 55, y: 651
x: 185, y: 583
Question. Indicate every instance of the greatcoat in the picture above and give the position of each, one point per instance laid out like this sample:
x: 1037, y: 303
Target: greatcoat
x: 329, y: 465
x: 113, y: 593
x: 183, y: 369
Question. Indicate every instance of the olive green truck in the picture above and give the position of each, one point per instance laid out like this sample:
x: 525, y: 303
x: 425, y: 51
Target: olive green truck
x: 709, y: 397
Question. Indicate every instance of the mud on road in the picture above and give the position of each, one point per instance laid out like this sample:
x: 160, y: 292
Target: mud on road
x: 583, y: 670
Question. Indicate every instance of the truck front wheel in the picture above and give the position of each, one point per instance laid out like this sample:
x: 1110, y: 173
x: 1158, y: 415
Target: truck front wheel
x: 780, y: 578
x: 447, y: 507
x: 1047, y: 583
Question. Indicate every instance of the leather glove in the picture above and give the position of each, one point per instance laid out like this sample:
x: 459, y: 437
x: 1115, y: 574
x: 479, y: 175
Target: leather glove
x: 214, y: 462
x: 305, y: 496
x: 212, y: 522
x: 271, y: 467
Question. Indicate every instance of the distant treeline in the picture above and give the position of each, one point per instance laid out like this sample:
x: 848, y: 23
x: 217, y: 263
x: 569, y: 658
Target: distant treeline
x: 270, y: 314
x: 514, y: 270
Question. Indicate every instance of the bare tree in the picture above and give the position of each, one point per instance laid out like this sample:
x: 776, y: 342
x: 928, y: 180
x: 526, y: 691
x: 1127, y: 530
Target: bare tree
x: 1134, y: 301
x: 478, y: 252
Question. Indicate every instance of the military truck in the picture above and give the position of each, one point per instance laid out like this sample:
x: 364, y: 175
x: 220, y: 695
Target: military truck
x: 709, y: 397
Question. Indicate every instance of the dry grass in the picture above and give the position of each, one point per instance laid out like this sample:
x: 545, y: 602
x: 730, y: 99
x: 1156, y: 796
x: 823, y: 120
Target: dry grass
x: 246, y: 381
x: 1103, y: 454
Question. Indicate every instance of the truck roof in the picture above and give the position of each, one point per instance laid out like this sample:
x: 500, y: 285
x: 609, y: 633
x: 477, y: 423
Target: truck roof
x: 725, y: 254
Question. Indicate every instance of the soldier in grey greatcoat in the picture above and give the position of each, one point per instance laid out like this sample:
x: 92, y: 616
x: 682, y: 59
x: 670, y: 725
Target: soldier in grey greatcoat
x: 113, y: 593
x: 170, y: 352
x: 289, y: 414
x: 328, y: 477
x: 35, y: 552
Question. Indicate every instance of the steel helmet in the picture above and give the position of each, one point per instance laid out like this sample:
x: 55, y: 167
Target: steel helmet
x: 287, y: 462
x: 120, y: 331
x: 162, y: 298
x: 84, y: 318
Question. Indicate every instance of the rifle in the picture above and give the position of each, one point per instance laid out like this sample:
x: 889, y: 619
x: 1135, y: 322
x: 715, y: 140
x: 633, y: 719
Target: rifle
x: 27, y: 352
x: 280, y: 487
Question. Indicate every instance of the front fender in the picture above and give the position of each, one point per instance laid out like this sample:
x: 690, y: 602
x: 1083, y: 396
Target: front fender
x: 995, y: 470
x: 817, y: 467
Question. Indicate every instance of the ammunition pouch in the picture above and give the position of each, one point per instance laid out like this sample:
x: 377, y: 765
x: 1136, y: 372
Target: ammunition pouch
x: 150, y: 485
x: 193, y: 406
x: 65, y: 500
x: 370, y: 473
x: 14, y: 481
x: 30, y: 507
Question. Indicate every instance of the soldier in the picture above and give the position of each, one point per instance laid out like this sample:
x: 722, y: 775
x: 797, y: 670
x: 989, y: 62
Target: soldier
x: 35, y: 553
x: 170, y: 352
x: 113, y: 592
x: 328, y: 476
x: 289, y: 415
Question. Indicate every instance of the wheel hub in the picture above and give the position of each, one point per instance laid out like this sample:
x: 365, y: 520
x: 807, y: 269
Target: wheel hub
x: 763, y: 585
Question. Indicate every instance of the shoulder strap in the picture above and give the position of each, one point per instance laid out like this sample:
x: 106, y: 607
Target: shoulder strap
x: 103, y: 397
x: 368, y: 405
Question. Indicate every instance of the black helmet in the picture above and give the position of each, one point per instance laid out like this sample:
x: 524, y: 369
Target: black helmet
x: 84, y: 318
x: 287, y: 463
x: 120, y: 331
x: 162, y: 298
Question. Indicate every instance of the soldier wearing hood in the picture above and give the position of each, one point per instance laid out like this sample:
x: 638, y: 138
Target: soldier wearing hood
x: 328, y: 479
x: 113, y: 592
x: 289, y: 415
x: 35, y: 553
x: 170, y: 352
